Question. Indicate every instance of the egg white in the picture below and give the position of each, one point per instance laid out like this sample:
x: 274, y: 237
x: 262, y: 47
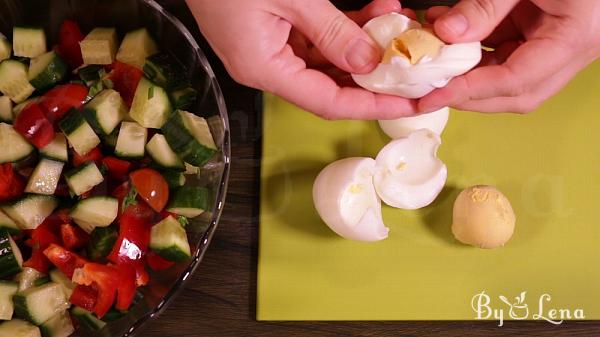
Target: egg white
x: 402, y: 127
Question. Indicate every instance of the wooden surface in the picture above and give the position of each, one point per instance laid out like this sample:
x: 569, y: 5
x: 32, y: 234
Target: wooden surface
x: 220, y: 299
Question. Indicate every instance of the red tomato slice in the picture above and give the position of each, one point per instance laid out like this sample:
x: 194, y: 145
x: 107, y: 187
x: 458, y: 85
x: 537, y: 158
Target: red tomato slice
x: 11, y: 184
x: 125, y: 79
x: 94, y: 155
x: 152, y: 187
x: 32, y: 124
x: 58, y: 101
x: 117, y: 168
x: 68, y: 44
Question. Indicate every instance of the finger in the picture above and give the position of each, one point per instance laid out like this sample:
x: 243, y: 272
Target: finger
x: 318, y: 93
x: 505, y: 31
x: 472, y: 20
x: 374, y: 9
x: 338, y: 38
x: 409, y: 13
x: 523, y: 70
x: 433, y: 13
x: 500, y: 54
x: 305, y: 50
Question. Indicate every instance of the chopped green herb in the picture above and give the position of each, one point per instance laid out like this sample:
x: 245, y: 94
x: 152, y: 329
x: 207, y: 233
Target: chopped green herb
x: 108, y: 83
x: 150, y: 92
x: 183, y: 221
x: 130, y: 199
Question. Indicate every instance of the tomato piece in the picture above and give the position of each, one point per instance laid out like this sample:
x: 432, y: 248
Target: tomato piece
x: 117, y: 168
x: 125, y: 79
x: 152, y: 187
x: 94, y: 155
x: 65, y: 260
x: 68, y: 43
x: 84, y: 297
x: 32, y: 124
x: 58, y: 101
x: 104, y: 279
x: 73, y: 237
x: 11, y: 184
x: 157, y: 262
x: 127, y: 286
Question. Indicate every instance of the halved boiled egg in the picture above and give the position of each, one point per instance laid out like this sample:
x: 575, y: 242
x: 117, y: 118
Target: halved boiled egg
x: 398, y: 128
x: 409, y: 175
x: 345, y: 198
x: 415, y: 61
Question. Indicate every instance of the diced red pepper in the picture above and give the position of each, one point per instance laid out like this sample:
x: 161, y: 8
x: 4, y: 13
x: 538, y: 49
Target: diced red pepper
x: 94, y: 155
x: 127, y: 286
x: 38, y: 261
x: 68, y: 44
x: 73, y: 237
x: 32, y: 124
x: 58, y: 101
x: 65, y: 260
x: 40, y: 239
x: 117, y: 168
x: 84, y: 296
x: 11, y: 184
x: 157, y: 262
x: 125, y: 79
x: 104, y: 279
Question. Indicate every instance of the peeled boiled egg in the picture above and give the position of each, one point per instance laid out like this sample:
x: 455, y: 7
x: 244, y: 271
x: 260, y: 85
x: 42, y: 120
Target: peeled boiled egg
x: 345, y: 199
x: 415, y: 61
x: 409, y: 175
x: 398, y: 128
x: 483, y: 217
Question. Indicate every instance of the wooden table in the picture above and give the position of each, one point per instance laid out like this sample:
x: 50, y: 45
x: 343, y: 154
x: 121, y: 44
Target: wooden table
x: 220, y: 299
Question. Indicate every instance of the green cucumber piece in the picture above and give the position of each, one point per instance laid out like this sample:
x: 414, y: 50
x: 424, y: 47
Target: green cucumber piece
x: 7, y: 290
x: 19, y: 328
x: 79, y: 133
x: 99, y: 46
x: 14, y: 82
x: 183, y: 99
x: 131, y: 142
x: 189, y: 201
x: 105, y: 111
x: 169, y: 240
x: 27, y: 278
x: 91, y: 74
x: 47, y: 70
x: 95, y: 212
x: 59, y: 325
x: 101, y: 242
x: 162, y: 154
x: 29, y: 42
x: 61, y: 279
x: 11, y: 259
x: 86, y: 319
x: 111, y: 140
x: 6, y: 106
x: 31, y: 210
x: 7, y: 224
x: 165, y: 70
x: 137, y: 45
x: 14, y: 147
x: 174, y: 178
x: 45, y: 177
x: 39, y: 304
x: 57, y: 149
x: 5, y: 48
x: 83, y: 178
x: 151, y: 106
x: 190, y: 137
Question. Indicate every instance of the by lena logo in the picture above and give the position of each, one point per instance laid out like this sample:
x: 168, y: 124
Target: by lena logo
x: 518, y: 309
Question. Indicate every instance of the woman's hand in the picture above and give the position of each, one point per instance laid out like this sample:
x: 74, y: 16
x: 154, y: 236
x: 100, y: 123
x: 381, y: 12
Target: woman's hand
x: 301, y: 50
x: 540, y: 45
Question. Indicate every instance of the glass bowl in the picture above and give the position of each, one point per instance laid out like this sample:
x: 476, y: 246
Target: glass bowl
x: 171, y: 35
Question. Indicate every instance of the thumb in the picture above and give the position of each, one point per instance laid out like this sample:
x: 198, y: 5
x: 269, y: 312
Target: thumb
x: 472, y: 20
x: 338, y: 38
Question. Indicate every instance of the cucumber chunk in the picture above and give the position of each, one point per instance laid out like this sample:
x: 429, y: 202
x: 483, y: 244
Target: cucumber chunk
x: 58, y: 326
x: 105, y: 111
x: 6, y: 107
x: 151, y: 106
x: 174, y: 178
x: 57, y: 149
x: 95, y: 212
x: 99, y: 46
x: 8, y: 224
x: 39, y: 304
x: 83, y: 178
x: 189, y: 201
x: 5, y: 48
x: 14, y: 82
x: 79, y: 132
x: 45, y: 177
x: 131, y: 142
x: 136, y: 47
x: 101, y: 242
x: 162, y: 154
x: 7, y: 290
x: 29, y: 42
x: 28, y: 278
x: 19, y: 328
x: 166, y: 70
x: 10, y: 256
x: 183, y: 99
x: 31, y: 210
x: 169, y: 240
x: 61, y: 279
x: 91, y: 74
x: 14, y: 146
x: 190, y: 137
x: 86, y: 319
x: 46, y: 70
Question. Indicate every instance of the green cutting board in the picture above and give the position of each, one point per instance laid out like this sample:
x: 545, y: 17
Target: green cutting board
x: 547, y: 163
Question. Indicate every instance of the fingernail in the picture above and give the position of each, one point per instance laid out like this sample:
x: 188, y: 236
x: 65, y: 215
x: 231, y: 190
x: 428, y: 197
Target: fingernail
x: 456, y: 23
x: 360, y: 54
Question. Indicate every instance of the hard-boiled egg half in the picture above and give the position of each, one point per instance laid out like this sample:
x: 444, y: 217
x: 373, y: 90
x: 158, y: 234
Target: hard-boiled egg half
x: 406, y: 174
x: 415, y: 61
x: 435, y: 121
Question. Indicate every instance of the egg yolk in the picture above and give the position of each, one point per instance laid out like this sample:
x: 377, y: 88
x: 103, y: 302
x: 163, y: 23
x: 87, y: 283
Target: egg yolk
x: 413, y: 44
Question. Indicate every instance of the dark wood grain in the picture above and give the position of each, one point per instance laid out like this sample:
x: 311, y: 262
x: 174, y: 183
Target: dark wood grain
x: 220, y: 299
